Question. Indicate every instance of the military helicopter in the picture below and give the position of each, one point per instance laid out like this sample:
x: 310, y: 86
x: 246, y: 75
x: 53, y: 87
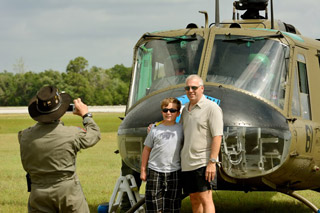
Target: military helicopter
x: 264, y: 75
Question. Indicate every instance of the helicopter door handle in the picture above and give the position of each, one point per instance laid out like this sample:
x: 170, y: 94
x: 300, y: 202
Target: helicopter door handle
x: 292, y: 120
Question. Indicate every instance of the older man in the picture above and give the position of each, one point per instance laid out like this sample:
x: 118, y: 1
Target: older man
x: 49, y: 150
x: 203, y: 128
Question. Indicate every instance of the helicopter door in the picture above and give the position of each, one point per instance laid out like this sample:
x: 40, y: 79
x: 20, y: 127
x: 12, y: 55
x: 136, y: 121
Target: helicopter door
x: 303, y: 87
x: 317, y: 128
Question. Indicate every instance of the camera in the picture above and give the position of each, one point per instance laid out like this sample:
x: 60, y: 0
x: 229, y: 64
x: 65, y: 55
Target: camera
x: 70, y: 108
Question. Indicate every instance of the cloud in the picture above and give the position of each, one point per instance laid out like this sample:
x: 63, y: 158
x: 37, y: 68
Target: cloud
x: 303, y: 15
x: 48, y: 34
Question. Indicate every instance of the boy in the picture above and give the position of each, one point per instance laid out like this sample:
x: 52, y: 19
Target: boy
x: 162, y: 154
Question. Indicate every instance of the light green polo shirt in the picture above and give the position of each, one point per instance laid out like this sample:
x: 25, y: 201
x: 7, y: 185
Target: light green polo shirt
x: 200, y: 125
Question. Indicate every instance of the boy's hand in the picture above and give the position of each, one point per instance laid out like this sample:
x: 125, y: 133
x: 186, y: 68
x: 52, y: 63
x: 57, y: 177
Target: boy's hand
x: 143, y: 175
x: 149, y: 128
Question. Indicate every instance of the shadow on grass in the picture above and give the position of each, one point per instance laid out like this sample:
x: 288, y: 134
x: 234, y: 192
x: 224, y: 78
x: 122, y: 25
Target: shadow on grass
x: 230, y: 201
x: 240, y: 202
x: 258, y: 202
x: 93, y: 208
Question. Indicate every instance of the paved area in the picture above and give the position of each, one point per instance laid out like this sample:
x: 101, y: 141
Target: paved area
x: 17, y: 110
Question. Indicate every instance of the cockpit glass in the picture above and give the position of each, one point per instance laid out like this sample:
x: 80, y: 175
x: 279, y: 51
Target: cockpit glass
x: 164, y: 62
x: 258, y: 65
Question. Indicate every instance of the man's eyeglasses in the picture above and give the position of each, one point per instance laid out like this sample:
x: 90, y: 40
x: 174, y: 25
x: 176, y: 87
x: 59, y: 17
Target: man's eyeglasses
x: 192, y: 87
x: 165, y: 110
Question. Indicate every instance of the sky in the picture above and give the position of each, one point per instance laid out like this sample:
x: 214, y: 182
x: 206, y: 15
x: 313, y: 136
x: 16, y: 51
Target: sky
x: 47, y: 34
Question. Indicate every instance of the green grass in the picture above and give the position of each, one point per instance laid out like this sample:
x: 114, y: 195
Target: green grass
x: 98, y: 169
x: 108, y: 122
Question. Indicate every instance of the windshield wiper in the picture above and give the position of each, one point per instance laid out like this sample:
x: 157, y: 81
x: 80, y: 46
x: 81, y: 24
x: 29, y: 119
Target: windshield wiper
x: 251, y: 39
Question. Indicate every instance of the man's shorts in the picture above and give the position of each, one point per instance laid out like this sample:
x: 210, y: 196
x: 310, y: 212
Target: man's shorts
x: 195, y: 181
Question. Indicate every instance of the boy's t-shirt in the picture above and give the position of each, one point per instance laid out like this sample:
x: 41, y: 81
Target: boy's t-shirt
x: 165, y: 143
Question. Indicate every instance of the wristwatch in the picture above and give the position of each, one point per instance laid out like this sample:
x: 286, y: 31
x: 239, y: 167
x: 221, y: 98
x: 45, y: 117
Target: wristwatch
x: 87, y: 115
x: 213, y: 160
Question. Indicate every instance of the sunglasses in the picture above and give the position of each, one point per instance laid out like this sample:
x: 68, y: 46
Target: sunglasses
x: 165, y: 110
x: 191, y: 87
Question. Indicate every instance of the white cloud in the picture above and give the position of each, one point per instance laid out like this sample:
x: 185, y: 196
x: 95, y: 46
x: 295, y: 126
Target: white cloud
x: 48, y: 34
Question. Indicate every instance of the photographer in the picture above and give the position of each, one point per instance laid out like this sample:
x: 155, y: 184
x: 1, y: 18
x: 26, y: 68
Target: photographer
x: 49, y: 149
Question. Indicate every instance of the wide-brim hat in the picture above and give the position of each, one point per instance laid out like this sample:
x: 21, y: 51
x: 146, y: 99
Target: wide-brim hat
x: 49, y: 105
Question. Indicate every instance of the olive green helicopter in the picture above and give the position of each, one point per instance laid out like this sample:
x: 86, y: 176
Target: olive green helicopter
x: 265, y: 76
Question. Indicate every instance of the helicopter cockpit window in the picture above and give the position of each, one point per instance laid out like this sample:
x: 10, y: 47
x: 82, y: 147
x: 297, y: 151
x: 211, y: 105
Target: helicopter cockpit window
x: 295, y: 105
x: 304, y: 87
x: 258, y: 65
x: 165, y: 62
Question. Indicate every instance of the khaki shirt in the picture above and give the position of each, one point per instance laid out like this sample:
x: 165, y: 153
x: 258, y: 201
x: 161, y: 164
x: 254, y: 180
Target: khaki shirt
x: 200, y: 125
x: 48, y: 151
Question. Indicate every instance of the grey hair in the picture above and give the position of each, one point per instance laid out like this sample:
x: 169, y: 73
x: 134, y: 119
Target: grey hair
x: 194, y: 76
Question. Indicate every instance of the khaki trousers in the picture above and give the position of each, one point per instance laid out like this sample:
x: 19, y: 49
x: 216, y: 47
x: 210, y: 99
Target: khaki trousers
x: 65, y: 196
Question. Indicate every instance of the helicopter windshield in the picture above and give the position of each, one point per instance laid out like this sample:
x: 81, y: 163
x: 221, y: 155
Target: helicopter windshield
x: 257, y: 65
x: 165, y: 62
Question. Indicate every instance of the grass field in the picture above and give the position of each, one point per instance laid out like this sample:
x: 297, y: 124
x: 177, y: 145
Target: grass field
x: 98, y: 169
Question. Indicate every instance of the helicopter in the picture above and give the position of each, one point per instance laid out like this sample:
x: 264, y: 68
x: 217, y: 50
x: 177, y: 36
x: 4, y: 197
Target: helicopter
x: 264, y: 75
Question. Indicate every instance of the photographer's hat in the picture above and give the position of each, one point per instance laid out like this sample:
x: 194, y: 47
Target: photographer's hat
x: 48, y: 105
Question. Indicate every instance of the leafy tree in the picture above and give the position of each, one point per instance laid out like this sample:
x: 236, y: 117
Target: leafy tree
x: 121, y: 72
x: 23, y: 88
x: 6, y: 87
x: 19, y: 66
x: 101, y: 82
x: 51, y: 77
x: 77, y: 85
x: 95, y: 86
x: 78, y: 65
x: 120, y: 76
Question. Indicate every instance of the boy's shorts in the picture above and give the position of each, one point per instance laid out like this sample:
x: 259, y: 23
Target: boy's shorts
x: 163, y: 191
x: 195, y: 181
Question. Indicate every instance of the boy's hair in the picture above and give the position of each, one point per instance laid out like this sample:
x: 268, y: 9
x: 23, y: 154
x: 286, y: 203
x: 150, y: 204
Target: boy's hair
x: 165, y: 102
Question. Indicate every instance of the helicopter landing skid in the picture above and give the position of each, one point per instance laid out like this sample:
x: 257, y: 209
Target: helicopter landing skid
x: 303, y: 200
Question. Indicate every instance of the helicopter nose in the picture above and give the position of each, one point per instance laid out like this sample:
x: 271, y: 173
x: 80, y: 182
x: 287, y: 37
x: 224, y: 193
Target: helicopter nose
x: 242, y: 109
x: 255, y: 135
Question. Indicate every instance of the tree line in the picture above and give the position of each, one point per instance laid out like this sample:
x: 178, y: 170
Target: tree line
x: 95, y: 86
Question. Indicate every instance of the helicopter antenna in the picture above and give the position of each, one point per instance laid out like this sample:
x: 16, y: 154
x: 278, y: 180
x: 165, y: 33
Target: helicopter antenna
x: 205, y: 17
x: 217, y: 17
x: 272, y: 19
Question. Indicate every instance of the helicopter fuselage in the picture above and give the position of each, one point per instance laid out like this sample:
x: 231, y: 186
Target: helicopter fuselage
x: 266, y: 83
